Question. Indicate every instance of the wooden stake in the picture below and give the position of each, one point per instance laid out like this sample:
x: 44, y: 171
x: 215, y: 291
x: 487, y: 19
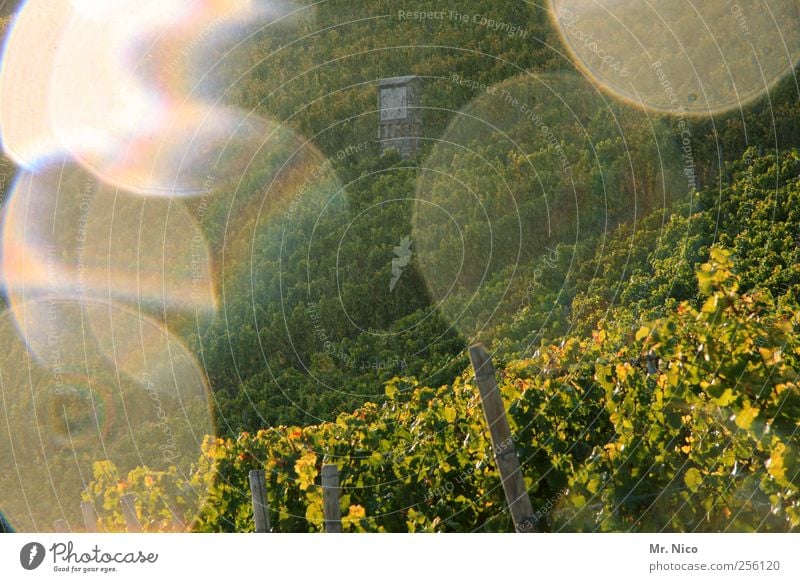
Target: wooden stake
x: 89, y: 516
x: 502, y: 443
x: 330, y: 499
x: 258, y: 491
x: 60, y: 526
x: 128, y: 502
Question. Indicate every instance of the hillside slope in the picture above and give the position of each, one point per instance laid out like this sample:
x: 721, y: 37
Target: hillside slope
x: 702, y: 438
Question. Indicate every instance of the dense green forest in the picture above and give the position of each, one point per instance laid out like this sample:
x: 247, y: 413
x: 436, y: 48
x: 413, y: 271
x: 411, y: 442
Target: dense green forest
x: 634, y: 274
x: 704, y: 440
x: 315, y: 331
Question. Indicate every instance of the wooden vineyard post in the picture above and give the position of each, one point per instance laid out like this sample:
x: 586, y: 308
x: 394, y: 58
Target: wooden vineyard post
x: 502, y: 443
x: 330, y: 499
x: 128, y: 502
x: 89, y: 516
x: 60, y: 526
x: 258, y: 491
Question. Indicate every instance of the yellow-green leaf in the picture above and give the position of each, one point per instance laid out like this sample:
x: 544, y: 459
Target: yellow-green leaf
x: 693, y: 479
x: 314, y: 514
x: 306, y: 469
x: 746, y: 416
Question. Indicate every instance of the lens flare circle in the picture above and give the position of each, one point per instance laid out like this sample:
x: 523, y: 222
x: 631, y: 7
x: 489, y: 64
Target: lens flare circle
x: 65, y: 232
x: 528, y: 169
x: 75, y: 81
x: 137, y: 398
x: 676, y: 56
